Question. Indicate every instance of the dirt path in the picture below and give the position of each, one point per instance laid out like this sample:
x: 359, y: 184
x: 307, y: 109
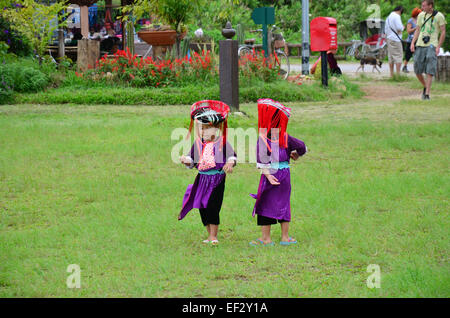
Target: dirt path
x: 377, y: 91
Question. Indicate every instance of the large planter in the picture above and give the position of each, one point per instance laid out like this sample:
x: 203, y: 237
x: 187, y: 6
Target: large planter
x: 158, y: 38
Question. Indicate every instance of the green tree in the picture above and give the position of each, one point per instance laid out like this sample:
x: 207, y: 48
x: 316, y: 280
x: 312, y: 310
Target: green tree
x: 36, y: 21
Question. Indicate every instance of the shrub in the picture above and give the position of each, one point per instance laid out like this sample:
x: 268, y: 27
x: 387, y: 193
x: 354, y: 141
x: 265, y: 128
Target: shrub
x: 127, y: 69
x: 280, y: 90
x: 6, y: 90
x: 17, y: 43
x: 23, y: 78
x: 256, y: 65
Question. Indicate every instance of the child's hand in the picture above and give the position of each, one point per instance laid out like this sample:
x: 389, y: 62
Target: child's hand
x: 228, y: 167
x: 272, y: 179
x: 185, y: 160
x: 294, y: 155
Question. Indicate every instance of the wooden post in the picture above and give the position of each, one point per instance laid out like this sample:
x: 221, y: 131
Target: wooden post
x: 84, y: 21
x: 61, y: 46
x: 443, y: 68
x: 229, y: 68
x: 88, y: 53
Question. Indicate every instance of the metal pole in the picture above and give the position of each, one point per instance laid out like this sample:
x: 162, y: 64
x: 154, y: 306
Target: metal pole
x: 265, y: 44
x: 305, y: 37
x: 324, y: 61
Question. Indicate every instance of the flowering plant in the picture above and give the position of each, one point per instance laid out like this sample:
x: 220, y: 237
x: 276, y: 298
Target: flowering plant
x: 255, y: 64
x: 139, y: 72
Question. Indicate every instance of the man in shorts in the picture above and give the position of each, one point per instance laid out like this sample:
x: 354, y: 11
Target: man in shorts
x: 394, y: 29
x: 429, y: 24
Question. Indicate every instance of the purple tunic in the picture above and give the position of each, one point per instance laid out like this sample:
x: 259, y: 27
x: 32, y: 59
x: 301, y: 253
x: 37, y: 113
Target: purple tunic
x: 197, y: 195
x: 273, y: 201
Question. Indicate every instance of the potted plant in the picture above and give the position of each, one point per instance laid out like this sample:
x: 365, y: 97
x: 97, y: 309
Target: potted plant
x: 175, y: 13
x: 158, y: 35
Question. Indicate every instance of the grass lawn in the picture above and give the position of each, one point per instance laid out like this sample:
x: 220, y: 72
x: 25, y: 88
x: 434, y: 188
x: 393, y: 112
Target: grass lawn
x: 95, y: 186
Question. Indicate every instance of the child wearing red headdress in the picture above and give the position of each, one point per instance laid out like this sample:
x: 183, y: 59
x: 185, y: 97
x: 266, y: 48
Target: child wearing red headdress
x: 214, y: 157
x: 274, y: 150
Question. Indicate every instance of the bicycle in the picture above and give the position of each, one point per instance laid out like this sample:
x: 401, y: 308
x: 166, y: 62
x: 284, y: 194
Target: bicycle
x: 277, y: 42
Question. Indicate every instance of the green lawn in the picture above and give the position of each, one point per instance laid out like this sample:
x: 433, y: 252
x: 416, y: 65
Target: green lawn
x: 95, y: 186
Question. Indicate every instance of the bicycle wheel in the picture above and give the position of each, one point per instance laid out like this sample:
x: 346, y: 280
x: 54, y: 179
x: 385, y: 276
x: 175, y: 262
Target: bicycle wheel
x: 282, y: 61
x: 244, y: 51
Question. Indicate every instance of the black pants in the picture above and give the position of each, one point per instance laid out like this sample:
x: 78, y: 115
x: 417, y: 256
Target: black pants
x: 408, y: 53
x: 264, y: 220
x: 210, y: 215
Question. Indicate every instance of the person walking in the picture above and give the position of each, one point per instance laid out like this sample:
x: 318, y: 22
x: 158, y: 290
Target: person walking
x: 394, y: 29
x: 410, y: 28
x: 427, y: 43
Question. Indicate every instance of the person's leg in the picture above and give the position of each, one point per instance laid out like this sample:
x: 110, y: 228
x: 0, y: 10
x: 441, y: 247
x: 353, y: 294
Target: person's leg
x: 420, y: 67
x: 390, y: 50
x: 428, y: 82
x: 204, y: 217
x: 284, y: 231
x: 421, y: 79
x: 408, y: 55
x: 397, y: 56
x: 391, y: 69
x: 285, y: 238
x: 213, y: 229
x: 265, y: 234
x: 211, y: 215
x: 431, y: 69
x: 265, y: 223
x: 398, y: 67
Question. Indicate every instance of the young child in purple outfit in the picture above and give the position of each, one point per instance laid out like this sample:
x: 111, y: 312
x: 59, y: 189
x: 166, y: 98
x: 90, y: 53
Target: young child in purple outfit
x: 214, y: 157
x: 275, y: 148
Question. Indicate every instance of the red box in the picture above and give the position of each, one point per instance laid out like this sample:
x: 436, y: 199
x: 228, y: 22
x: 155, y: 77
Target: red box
x: 323, y: 34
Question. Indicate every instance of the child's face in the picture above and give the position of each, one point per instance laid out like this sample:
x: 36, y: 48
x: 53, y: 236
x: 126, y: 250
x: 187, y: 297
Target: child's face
x: 208, y: 131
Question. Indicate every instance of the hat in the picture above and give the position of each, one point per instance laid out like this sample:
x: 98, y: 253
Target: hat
x: 415, y: 12
x: 210, y: 111
x: 272, y: 114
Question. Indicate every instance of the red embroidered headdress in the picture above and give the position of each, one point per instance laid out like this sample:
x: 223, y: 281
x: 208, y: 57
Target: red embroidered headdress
x: 272, y: 114
x: 210, y: 111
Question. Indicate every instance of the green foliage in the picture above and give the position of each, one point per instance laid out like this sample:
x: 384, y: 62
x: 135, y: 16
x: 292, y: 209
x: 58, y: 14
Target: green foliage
x: 6, y: 89
x: 288, y: 15
x: 25, y: 75
x: 17, y: 43
x: 23, y: 78
x: 255, y: 65
x: 215, y: 15
x: 77, y: 91
x: 444, y: 7
x: 35, y: 21
x: 130, y: 36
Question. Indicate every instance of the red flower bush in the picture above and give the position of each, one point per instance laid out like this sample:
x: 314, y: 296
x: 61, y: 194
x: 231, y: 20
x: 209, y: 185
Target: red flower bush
x: 125, y: 67
x: 255, y: 64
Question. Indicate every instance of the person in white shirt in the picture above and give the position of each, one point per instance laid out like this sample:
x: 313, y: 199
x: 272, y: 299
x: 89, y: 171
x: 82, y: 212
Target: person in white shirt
x: 394, y: 29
